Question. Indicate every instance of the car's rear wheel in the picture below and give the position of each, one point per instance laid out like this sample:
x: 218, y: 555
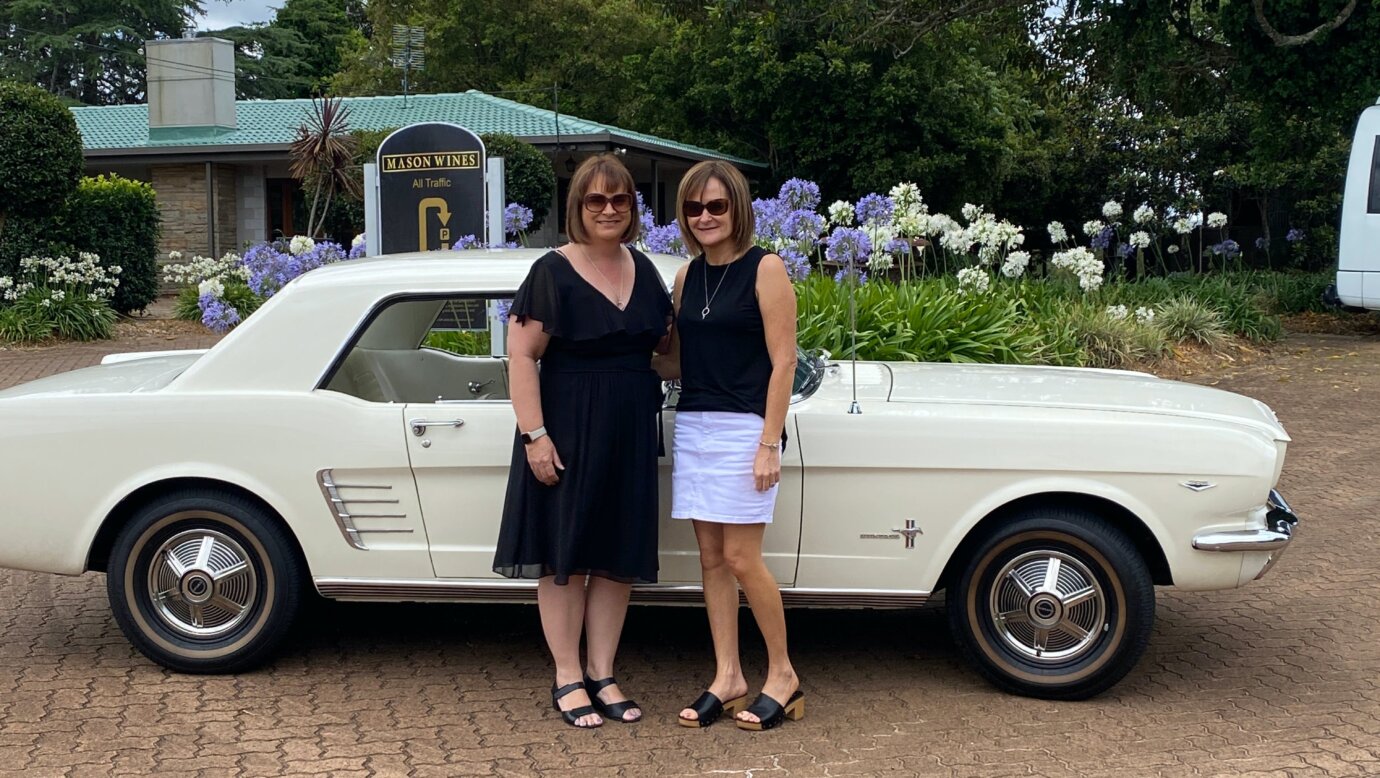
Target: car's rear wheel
x: 204, y: 581
x: 1054, y: 604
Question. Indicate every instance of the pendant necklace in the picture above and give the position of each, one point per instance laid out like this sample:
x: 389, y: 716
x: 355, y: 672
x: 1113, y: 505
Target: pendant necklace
x: 709, y: 298
x: 617, y: 290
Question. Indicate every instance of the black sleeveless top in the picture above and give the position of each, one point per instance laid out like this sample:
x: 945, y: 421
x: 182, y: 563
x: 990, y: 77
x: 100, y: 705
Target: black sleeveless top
x: 724, y: 362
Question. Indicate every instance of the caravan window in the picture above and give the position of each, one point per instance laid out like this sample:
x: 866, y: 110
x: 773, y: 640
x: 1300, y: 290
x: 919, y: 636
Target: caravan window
x: 1373, y: 201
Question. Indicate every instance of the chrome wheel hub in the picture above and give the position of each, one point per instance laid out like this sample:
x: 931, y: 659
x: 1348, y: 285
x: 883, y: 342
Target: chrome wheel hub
x: 201, y: 583
x: 1047, y: 606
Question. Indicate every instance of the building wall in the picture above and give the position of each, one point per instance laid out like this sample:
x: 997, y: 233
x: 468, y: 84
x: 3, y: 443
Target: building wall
x: 227, y: 210
x: 252, y: 207
x: 184, y: 206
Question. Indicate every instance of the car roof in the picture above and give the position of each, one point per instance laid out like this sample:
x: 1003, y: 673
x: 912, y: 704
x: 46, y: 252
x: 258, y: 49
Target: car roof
x: 470, y: 270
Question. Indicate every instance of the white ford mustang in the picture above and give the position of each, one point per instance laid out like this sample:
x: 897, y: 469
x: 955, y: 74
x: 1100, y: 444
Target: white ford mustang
x: 333, y: 442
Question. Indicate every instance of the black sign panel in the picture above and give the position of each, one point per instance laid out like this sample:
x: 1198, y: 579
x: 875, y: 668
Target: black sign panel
x: 431, y: 187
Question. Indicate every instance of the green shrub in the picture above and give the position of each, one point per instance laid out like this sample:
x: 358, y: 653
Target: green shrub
x: 466, y: 342
x: 40, y: 152
x: 527, y: 174
x: 1184, y: 319
x: 21, y: 326
x: 117, y: 219
x: 1107, y: 341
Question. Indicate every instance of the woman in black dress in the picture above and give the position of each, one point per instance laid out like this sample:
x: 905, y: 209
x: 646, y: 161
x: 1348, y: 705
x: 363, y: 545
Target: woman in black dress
x: 581, y: 509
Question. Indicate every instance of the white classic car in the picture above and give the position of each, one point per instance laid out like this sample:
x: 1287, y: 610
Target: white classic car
x: 328, y: 443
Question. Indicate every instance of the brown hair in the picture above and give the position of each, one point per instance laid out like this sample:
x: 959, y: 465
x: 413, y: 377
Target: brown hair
x: 739, y: 202
x: 613, y: 173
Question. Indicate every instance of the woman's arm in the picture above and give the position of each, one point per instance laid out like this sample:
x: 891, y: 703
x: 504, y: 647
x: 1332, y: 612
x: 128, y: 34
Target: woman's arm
x: 526, y: 343
x: 776, y: 299
x: 668, y: 365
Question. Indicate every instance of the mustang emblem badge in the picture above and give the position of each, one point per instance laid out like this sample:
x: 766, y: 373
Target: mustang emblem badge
x: 909, y: 532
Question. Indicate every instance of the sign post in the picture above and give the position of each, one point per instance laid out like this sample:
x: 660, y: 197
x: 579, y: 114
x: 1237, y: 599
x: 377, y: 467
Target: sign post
x: 431, y: 187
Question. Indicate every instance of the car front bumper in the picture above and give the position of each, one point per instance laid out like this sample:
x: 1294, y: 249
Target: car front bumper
x: 1281, y: 523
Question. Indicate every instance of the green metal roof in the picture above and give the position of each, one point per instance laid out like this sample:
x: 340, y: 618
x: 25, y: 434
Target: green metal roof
x: 275, y: 122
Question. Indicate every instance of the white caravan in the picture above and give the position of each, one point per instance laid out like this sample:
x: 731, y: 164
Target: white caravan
x: 1358, y: 260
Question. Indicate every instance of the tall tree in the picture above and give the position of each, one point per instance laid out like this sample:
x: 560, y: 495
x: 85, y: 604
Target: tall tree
x: 87, y: 51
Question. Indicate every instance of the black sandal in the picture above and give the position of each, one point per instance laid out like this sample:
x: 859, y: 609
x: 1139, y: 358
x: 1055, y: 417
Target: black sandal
x: 574, y: 714
x: 771, y: 713
x: 610, y: 710
x: 708, y: 708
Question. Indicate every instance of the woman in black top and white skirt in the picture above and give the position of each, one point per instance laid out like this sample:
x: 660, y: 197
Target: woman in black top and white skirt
x: 733, y: 348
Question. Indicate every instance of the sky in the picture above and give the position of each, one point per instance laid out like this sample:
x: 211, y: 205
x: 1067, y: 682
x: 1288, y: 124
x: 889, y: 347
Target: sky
x: 228, y: 13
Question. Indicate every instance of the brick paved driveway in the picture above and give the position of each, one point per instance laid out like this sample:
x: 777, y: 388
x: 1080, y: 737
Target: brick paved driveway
x: 1280, y: 678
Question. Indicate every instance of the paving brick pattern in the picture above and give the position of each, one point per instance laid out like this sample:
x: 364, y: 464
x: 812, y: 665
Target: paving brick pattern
x: 1281, y: 678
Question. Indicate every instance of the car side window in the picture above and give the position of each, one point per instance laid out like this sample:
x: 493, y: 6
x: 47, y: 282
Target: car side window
x: 428, y: 350
x: 1373, y: 200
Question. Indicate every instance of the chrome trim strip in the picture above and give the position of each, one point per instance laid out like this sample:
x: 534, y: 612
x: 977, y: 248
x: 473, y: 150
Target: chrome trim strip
x: 344, y: 519
x: 434, y: 590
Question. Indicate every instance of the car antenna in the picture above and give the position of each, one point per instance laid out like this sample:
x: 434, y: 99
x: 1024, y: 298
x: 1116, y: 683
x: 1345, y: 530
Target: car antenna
x: 853, y: 332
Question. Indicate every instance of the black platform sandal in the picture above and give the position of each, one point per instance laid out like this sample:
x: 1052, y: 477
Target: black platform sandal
x: 610, y: 710
x: 708, y: 708
x: 770, y: 713
x: 574, y: 714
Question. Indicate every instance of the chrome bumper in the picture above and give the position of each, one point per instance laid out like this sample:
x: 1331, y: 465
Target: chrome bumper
x: 1275, y: 536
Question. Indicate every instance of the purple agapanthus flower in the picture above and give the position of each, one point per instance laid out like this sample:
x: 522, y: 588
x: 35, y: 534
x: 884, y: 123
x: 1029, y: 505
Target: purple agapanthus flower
x: 799, y: 194
x: 1227, y: 248
x: 502, y: 307
x: 645, y: 217
x: 898, y: 246
x: 665, y: 239
x: 466, y: 242
x: 217, y: 314
x: 797, y: 264
x: 803, y: 225
x: 358, y: 249
x: 849, y: 247
x: 770, y: 216
x: 874, y: 208
x: 1262, y: 243
x: 1102, y: 239
x: 516, y: 218
x: 1124, y: 250
x: 844, y: 273
x: 1295, y: 235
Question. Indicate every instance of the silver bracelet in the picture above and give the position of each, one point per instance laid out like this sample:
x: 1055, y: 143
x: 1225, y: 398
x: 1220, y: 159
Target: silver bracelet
x: 768, y: 445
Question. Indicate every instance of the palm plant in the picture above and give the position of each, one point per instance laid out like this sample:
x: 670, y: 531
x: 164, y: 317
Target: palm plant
x: 322, y: 156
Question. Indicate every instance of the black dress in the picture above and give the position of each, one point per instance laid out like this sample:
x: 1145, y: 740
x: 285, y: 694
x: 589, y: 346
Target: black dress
x: 599, y: 400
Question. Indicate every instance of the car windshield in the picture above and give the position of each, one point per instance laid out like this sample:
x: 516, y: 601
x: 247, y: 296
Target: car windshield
x: 809, y: 372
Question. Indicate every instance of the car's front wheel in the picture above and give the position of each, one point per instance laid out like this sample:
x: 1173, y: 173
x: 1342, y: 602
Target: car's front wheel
x: 204, y: 581
x: 1055, y: 604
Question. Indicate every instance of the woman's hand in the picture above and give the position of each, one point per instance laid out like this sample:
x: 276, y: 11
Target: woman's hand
x: 766, y: 469
x: 544, y: 461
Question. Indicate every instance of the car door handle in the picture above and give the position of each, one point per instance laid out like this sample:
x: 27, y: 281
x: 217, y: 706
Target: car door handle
x: 419, y: 425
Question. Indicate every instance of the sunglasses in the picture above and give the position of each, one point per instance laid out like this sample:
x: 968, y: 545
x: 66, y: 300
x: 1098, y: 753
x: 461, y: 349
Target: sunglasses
x: 596, y: 202
x: 693, y: 208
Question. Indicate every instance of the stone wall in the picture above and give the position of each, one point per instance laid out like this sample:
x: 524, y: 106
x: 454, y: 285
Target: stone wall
x: 181, y: 194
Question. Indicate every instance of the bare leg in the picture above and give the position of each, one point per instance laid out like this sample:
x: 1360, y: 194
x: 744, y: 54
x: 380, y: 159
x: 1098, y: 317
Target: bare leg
x: 743, y: 553
x: 606, y: 606
x: 721, y: 604
x: 562, y: 616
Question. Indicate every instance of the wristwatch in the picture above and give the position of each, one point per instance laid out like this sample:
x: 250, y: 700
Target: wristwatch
x: 528, y: 437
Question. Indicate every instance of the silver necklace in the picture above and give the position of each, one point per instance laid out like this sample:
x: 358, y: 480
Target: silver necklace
x: 618, y: 289
x: 709, y: 298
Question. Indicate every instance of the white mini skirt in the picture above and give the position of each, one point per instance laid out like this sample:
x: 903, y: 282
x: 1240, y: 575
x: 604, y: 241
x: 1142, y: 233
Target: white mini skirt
x: 711, y: 479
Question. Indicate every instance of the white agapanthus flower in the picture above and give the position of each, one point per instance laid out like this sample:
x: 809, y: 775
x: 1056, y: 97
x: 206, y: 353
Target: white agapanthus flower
x: 1111, y: 210
x: 1140, y: 239
x: 1145, y: 315
x: 1057, y: 233
x: 211, y: 287
x: 358, y: 241
x: 1015, y: 264
x: 971, y: 212
x: 1082, y: 263
x: 1144, y: 215
x: 59, y: 295
x: 1091, y: 228
x: 1183, y: 225
x: 1173, y: 249
x: 841, y: 213
x: 1117, y: 312
x: 906, y: 197
x: 973, y: 280
x: 942, y: 223
x: 301, y: 244
x: 1217, y: 220
x: 956, y: 240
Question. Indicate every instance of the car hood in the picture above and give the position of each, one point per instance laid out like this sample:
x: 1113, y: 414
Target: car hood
x: 116, y: 374
x: 1081, y: 388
